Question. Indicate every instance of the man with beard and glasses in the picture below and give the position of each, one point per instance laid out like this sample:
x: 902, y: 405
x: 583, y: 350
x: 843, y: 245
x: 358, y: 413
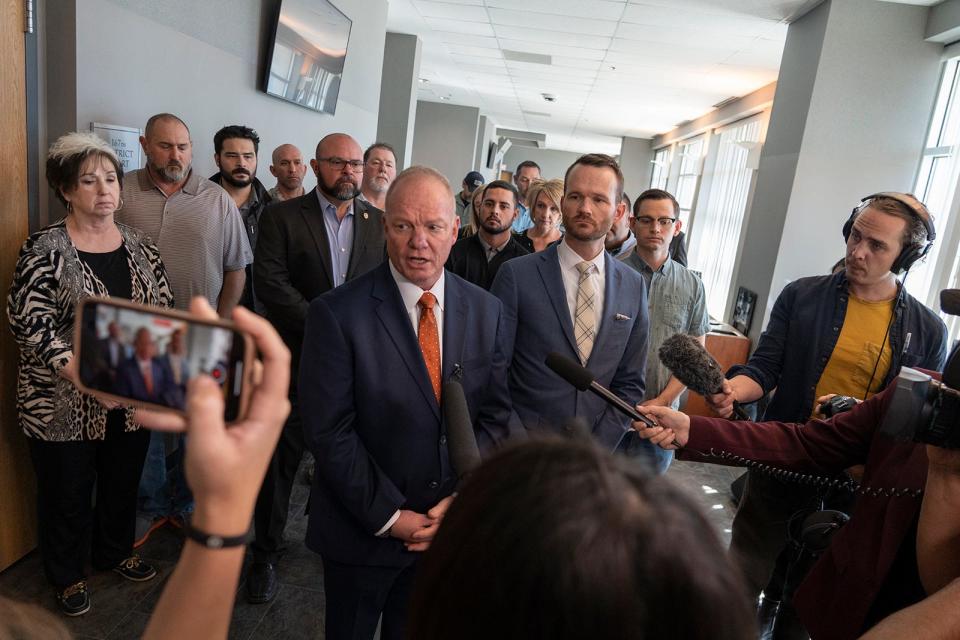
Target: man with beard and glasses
x: 200, y: 235
x: 235, y: 150
x: 477, y: 258
x: 379, y: 170
x: 289, y: 169
x: 574, y: 299
x: 307, y: 246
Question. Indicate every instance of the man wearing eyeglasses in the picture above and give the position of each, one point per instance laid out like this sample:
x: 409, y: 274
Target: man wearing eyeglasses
x: 379, y: 170
x: 308, y: 246
x: 677, y: 301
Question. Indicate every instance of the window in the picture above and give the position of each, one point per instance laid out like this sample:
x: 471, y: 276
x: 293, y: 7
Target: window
x: 661, y: 168
x: 719, y: 220
x: 937, y: 186
x: 691, y: 165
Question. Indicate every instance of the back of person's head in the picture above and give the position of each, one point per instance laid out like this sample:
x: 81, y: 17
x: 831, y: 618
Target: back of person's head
x: 557, y: 540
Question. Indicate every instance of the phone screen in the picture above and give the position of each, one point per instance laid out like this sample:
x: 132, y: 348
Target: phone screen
x: 149, y: 356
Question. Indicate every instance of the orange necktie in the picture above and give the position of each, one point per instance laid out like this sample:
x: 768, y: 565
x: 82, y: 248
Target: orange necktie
x: 148, y: 379
x: 429, y: 339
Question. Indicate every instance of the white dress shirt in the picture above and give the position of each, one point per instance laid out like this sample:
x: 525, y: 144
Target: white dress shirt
x: 569, y: 259
x: 410, y: 294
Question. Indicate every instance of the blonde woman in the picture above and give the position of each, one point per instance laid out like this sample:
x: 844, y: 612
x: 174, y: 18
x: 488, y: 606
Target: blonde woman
x: 544, y: 198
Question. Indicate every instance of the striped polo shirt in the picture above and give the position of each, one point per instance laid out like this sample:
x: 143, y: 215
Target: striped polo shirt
x: 198, y: 231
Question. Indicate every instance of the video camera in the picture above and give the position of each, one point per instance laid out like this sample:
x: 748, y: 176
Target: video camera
x: 923, y: 409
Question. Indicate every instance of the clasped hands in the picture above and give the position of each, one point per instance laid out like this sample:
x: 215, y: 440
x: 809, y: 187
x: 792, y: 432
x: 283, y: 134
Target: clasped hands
x: 417, y: 530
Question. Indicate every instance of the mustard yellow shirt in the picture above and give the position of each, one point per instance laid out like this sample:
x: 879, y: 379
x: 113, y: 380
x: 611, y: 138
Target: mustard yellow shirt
x: 854, y: 357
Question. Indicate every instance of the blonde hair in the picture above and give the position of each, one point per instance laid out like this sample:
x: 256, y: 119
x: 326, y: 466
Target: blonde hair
x: 553, y: 189
x: 69, y: 153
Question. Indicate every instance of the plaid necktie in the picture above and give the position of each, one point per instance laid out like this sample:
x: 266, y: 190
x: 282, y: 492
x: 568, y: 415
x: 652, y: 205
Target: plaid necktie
x: 429, y: 338
x: 585, y: 318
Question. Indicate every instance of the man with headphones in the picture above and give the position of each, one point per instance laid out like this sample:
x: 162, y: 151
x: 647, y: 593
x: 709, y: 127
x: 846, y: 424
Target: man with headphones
x: 848, y: 334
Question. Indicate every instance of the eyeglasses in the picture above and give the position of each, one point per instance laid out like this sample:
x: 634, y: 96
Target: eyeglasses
x: 646, y: 221
x: 380, y: 164
x: 339, y: 163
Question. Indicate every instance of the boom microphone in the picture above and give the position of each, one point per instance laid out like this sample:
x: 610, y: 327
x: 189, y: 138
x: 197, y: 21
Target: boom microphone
x: 691, y: 364
x: 464, y: 452
x: 582, y: 379
x: 950, y: 301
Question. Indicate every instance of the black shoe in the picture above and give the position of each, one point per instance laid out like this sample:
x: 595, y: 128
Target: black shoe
x: 74, y: 600
x: 136, y: 570
x: 262, y: 584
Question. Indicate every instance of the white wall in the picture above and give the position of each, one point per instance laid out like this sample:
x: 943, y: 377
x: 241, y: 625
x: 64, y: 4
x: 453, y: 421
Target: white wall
x: 204, y: 62
x: 553, y: 163
x: 635, y: 157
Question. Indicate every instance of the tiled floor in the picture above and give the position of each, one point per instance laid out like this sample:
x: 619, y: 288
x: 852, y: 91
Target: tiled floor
x: 121, y: 609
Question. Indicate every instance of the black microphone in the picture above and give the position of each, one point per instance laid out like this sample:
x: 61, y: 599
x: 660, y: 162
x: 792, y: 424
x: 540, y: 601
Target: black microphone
x: 464, y: 452
x: 692, y: 364
x: 950, y: 301
x: 582, y: 379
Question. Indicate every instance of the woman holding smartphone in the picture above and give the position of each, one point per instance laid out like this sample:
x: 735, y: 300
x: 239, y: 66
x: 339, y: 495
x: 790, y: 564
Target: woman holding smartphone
x: 75, y: 441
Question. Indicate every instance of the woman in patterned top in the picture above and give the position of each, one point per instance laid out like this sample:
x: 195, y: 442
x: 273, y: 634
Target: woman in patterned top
x: 76, y: 442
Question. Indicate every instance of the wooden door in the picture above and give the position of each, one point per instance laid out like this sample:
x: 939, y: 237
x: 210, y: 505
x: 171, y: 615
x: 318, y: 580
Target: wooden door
x: 18, y: 530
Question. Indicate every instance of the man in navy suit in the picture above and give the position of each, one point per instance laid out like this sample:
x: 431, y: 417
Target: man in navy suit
x: 375, y: 355
x: 574, y: 299
x: 146, y: 377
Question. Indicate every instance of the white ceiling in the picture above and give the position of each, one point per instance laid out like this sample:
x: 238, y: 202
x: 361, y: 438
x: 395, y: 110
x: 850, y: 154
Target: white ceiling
x: 618, y: 67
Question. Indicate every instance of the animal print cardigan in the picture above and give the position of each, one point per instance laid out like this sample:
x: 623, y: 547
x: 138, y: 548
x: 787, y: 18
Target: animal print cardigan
x: 48, y: 282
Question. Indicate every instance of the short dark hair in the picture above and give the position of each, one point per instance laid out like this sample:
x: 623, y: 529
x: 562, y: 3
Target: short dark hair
x: 555, y: 539
x: 625, y: 199
x: 915, y: 233
x: 601, y: 160
x: 503, y: 184
x: 154, y: 119
x: 526, y: 163
x: 378, y: 145
x: 656, y: 194
x: 67, y: 156
x: 232, y: 131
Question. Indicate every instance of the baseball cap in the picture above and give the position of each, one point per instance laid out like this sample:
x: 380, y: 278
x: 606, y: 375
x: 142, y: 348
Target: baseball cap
x: 474, y: 179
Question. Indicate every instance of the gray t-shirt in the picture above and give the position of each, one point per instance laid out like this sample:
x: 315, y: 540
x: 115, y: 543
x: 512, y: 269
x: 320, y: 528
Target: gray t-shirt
x: 677, y: 304
x: 198, y: 231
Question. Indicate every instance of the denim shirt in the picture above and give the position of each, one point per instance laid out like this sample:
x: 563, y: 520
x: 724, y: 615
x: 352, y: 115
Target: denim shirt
x: 804, y: 326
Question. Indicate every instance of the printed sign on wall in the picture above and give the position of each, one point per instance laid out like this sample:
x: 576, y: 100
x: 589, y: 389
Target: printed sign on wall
x: 124, y: 140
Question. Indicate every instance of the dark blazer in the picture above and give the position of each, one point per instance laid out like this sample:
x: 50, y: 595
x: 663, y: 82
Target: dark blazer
x: 292, y: 263
x: 538, y: 322
x: 370, y: 416
x: 130, y: 383
x: 835, y: 599
x: 468, y: 259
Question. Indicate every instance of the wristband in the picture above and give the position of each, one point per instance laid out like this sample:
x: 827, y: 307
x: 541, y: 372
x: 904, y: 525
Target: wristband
x: 213, y: 541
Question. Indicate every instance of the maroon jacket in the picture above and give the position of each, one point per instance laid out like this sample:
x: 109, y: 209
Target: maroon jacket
x: 835, y: 598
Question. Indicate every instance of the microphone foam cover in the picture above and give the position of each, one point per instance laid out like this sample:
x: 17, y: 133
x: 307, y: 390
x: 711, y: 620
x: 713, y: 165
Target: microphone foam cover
x: 570, y: 371
x: 692, y: 365
x: 461, y: 439
x: 950, y: 301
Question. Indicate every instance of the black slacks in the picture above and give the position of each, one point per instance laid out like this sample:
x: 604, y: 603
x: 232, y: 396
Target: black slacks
x: 66, y: 475
x: 273, y: 501
x: 357, y: 595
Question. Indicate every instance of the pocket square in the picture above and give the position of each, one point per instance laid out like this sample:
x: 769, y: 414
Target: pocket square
x: 620, y: 316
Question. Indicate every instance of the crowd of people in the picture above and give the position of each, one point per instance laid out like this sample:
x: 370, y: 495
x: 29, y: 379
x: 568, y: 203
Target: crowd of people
x: 384, y: 287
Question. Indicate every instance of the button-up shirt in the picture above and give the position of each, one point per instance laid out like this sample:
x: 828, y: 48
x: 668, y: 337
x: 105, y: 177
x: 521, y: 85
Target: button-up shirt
x: 569, y: 259
x: 339, y: 238
x: 489, y: 250
x: 523, y: 221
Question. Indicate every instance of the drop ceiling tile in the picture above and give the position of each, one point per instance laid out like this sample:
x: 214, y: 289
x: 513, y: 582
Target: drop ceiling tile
x: 552, y: 22
x: 457, y: 26
x: 557, y: 38
x: 467, y: 39
x: 683, y: 36
x: 778, y: 10
x: 429, y: 9
x: 671, y: 16
x: 473, y: 52
x: 550, y: 50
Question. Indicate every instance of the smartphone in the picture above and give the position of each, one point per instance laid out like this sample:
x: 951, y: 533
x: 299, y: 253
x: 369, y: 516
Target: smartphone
x: 145, y: 356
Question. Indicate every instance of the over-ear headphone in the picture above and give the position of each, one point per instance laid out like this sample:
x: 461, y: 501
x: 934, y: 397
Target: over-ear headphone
x: 911, y: 252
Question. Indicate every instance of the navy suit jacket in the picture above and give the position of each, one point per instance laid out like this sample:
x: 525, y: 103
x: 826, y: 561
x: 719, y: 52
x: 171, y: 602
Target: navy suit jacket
x: 130, y: 383
x: 370, y: 416
x: 538, y: 322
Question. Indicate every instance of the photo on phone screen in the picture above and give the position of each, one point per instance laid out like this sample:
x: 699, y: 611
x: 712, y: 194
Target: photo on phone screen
x: 149, y: 356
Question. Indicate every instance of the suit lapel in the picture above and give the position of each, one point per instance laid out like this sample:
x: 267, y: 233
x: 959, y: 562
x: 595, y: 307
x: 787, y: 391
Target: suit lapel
x: 363, y: 226
x: 454, y: 322
x: 549, y: 267
x: 313, y: 219
x: 395, y: 321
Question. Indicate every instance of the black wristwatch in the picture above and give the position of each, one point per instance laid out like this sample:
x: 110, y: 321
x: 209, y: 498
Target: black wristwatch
x: 213, y: 541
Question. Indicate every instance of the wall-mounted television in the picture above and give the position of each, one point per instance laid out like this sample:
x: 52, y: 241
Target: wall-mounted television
x: 307, y: 52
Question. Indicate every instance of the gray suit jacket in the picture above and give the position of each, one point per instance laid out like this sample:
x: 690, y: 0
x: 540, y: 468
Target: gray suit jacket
x: 537, y: 322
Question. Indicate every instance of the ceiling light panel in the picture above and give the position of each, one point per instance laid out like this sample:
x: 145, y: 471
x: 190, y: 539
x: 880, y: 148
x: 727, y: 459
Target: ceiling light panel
x: 549, y: 50
x: 558, y: 38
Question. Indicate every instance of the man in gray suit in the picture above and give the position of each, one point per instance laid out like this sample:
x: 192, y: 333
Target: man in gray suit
x: 574, y: 299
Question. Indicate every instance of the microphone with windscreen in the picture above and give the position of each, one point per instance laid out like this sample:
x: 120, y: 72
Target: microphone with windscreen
x: 691, y: 364
x: 461, y: 439
x: 582, y: 379
x: 950, y: 301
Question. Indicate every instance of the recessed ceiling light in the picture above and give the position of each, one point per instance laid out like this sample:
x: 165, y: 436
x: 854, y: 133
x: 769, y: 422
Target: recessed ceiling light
x: 444, y: 97
x: 424, y: 81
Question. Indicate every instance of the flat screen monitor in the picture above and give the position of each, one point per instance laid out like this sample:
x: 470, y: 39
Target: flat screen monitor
x: 307, y: 54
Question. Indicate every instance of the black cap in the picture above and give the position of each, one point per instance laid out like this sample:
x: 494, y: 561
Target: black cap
x: 473, y: 180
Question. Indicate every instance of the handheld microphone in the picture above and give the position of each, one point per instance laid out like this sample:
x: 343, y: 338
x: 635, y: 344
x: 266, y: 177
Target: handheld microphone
x: 464, y: 452
x: 582, y: 379
x: 691, y: 364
